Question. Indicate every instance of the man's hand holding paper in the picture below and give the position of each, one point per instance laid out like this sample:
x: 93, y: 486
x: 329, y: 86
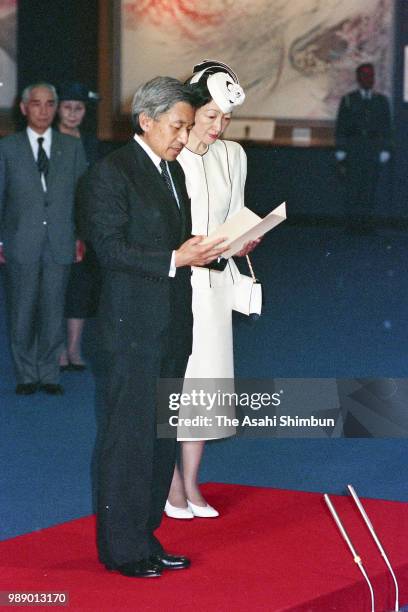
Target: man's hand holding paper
x: 197, y: 252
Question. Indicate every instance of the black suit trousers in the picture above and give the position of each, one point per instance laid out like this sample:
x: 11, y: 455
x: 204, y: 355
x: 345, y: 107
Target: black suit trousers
x: 362, y: 173
x: 135, y: 468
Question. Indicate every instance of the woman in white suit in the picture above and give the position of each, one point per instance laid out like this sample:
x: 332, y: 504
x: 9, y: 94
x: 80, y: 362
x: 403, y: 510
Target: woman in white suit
x: 215, y: 177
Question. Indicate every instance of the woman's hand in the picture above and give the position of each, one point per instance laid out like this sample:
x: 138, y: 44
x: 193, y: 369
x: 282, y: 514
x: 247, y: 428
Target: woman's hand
x: 248, y: 247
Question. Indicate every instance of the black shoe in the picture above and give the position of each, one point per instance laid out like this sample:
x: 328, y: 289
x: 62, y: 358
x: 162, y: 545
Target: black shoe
x: 170, y: 562
x: 26, y: 388
x: 64, y: 368
x: 52, y: 389
x: 137, y: 569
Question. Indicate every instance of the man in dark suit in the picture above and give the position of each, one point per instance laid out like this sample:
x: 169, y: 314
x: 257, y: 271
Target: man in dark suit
x: 138, y: 220
x: 39, y: 170
x: 363, y: 142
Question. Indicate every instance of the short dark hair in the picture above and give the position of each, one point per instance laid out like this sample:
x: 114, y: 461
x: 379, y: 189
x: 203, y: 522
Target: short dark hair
x: 158, y: 96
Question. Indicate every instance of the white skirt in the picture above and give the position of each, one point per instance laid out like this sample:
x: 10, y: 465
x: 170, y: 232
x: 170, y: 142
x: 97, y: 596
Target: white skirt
x: 212, y: 358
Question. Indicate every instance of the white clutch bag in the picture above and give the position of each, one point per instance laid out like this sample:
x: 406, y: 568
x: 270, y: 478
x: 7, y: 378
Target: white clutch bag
x: 248, y: 295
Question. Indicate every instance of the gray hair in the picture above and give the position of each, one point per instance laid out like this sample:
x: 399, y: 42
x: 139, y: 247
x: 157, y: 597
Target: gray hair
x: 25, y: 96
x: 157, y: 97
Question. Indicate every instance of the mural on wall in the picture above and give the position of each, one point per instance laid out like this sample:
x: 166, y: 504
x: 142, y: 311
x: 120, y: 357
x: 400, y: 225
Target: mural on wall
x: 8, y: 52
x: 295, y: 59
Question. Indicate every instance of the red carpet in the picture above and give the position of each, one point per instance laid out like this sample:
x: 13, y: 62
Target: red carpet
x: 270, y: 550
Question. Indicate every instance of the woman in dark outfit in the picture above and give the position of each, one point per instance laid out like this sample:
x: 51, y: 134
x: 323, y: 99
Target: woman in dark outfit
x: 83, y: 287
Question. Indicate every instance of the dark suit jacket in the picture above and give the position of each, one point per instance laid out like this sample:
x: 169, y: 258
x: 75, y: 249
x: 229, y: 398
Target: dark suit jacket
x: 27, y: 213
x: 363, y: 125
x: 134, y: 225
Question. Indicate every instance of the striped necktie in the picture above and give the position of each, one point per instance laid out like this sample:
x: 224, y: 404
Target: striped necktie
x: 166, y: 177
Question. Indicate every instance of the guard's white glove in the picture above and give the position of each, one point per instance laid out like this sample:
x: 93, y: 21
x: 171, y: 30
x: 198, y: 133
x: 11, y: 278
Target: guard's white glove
x: 340, y: 155
x: 384, y: 157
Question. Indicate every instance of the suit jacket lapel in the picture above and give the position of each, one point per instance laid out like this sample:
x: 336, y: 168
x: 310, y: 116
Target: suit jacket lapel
x: 56, y: 157
x: 28, y: 162
x: 182, y: 198
x: 154, y: 189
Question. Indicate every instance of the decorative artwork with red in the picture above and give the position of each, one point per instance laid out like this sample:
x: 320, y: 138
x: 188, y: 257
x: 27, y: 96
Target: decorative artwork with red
x: 295, y: 59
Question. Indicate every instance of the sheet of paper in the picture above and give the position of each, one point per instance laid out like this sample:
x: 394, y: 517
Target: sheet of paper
x: 244, y: 226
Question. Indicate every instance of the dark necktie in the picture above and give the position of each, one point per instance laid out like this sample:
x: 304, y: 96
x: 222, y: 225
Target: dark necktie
x: 166, y: 177
x: 42, y: 159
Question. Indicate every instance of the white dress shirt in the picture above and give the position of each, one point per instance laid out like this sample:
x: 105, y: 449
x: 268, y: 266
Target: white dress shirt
x: 156, y: 160
x: 366, y: 94
x: 33, y: 139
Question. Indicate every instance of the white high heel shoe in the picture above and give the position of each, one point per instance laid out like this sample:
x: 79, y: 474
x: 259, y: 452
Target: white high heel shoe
x: 202, y: 511
x: 178, y: 513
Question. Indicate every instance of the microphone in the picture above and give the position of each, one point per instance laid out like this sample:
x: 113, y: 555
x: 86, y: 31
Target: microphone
x: 356, y: 558
x: 377, y: 541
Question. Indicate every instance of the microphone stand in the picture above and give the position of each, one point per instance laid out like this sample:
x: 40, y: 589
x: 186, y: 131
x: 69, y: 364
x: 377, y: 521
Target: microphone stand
x: 377, y: 541
x: 356, y: 557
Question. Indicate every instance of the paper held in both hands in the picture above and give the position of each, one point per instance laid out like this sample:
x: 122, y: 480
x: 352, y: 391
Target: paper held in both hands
x: 245, y: 226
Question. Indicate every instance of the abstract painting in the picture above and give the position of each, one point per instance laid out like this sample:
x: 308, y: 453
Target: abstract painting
x: 295, y: 59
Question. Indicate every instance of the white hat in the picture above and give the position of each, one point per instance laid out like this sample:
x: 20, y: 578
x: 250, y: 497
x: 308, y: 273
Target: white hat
x: 222, y: 83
